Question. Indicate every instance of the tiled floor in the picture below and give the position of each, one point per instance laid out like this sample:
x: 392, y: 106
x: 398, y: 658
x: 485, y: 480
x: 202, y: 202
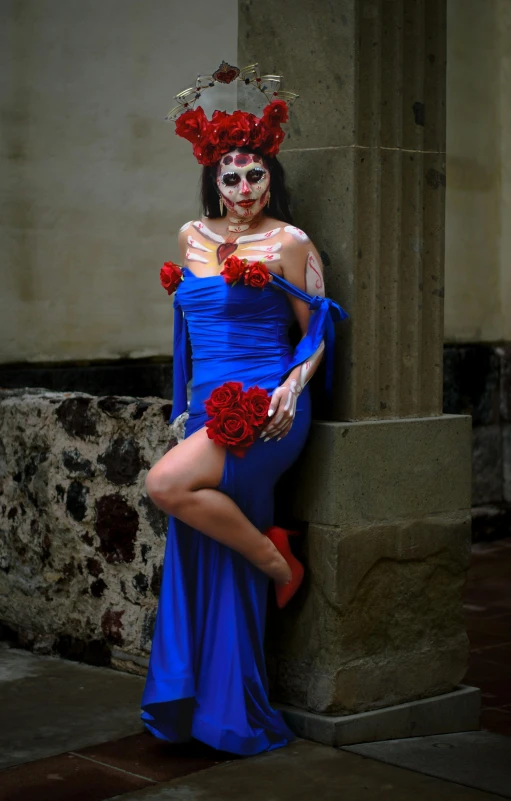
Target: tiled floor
x: 103, y: 771
x: 140, y: 760
x: 488, y: 613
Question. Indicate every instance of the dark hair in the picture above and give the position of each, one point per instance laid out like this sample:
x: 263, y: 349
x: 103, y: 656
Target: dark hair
x: 279, y: 196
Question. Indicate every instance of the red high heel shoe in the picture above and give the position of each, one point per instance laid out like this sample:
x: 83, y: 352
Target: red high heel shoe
x: 279, y: 537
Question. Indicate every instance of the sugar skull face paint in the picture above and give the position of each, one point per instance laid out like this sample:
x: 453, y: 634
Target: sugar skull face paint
x: 243, y: 182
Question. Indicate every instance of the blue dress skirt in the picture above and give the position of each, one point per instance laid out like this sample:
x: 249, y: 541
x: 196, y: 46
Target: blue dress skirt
x: 207, y: 676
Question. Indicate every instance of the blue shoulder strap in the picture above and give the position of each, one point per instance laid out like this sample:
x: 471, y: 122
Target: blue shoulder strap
x: 182, y: 363
x: 321, y: 327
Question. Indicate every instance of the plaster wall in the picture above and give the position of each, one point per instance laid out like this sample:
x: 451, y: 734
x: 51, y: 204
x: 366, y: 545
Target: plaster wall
x: 478, y: 210
x: 93, y: 183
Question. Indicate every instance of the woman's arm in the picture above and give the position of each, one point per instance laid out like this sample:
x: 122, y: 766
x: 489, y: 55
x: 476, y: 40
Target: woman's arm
x: 301, y: 266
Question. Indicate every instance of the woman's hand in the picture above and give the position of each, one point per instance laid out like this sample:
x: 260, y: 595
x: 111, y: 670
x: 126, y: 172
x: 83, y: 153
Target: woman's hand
x: 282, y: 410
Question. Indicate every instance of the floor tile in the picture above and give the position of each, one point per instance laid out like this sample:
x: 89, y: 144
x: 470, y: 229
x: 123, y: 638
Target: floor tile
x: 497, y: 720
x: 66, y: 778
x: 306, y: 771
x: 160, y: 761
x: 54, y: 706
x: 474, y: 758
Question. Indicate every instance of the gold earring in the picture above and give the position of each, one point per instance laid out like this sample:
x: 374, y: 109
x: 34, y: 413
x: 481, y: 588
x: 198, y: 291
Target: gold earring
x: 268, y: 201
x: 221, y: 204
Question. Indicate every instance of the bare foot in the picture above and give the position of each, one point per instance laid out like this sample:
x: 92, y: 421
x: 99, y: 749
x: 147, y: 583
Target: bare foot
x: 271, y: 562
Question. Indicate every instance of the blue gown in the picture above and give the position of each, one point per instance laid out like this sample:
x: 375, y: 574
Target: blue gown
x: 207, y: 676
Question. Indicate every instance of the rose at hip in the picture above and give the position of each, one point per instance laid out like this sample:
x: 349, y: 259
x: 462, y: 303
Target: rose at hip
x: 256, y: 402
x: 227, y: 395
x: 231, y: 429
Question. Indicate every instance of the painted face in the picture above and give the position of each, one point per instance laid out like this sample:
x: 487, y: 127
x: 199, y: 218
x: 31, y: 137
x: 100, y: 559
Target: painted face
x: 244, y: 183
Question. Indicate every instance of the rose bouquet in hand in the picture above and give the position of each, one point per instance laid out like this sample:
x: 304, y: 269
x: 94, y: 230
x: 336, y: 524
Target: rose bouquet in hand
x: 236, y: 416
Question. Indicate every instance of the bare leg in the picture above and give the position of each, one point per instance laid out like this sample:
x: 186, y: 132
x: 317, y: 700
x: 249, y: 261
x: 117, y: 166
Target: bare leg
x: 183, y: 483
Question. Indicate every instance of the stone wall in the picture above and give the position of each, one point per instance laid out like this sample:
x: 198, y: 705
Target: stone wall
x: 477, y: 381
x: 81, y: 544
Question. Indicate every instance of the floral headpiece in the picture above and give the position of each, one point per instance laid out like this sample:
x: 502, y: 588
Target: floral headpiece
x: 211, y: 139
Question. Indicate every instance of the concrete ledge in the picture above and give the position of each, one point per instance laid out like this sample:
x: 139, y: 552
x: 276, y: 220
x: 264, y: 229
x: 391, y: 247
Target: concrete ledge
x: 441, y: 714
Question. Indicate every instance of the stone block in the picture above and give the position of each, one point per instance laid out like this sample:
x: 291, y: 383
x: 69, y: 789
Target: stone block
x: 487, y: 467
x: 81, y: 544
x: 450, y: 712
x: 353, y: 77
x: 350, y: 202
x: 395, y: 109
x: 322, y: 187
x: 273, y: 33
x: 384, y: 470
x: 379, y: 620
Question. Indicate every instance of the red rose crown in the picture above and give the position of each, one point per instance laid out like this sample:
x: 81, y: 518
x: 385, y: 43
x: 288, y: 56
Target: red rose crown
x: 211, y: 139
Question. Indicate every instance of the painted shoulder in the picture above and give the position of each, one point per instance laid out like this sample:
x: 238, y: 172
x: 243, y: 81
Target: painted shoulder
x: 185, y: 226
x: 297, y: 233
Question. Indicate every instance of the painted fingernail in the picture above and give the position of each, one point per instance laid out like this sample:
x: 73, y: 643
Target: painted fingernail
x: 278, y: 439
x: 267, y: 438
x: 271, y: 413
x: 263, y: 433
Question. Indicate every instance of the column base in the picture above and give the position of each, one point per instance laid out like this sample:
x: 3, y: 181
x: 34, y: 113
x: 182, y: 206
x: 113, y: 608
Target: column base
x: 451, y: 712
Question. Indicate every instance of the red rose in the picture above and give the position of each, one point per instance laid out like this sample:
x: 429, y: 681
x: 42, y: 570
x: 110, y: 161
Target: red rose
x: 239, y: 129
x: 231, y: 429
x: 233, y: 269
x: 192, y: 124
x: 276, y: 113
x: 256, y: 401
x: 219, y: 118
x: 224, y: 397
x: 271, y: 140
x: 207, y: 152
x: 170, y: 276
x: 257, y: 275
x: 258, y: 131
x: 220, y: 129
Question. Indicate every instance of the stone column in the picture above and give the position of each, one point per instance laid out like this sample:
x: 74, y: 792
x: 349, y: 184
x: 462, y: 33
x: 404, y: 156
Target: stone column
x: 385, y: 485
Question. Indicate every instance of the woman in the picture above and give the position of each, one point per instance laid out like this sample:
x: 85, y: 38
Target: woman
x: 247, y: 274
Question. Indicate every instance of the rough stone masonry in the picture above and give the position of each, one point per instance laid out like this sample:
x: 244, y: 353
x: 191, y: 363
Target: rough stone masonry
x: 81, y: 544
